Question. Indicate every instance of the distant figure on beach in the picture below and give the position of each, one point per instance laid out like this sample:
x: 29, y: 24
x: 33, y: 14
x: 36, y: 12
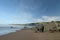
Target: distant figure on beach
x: 42, y: 29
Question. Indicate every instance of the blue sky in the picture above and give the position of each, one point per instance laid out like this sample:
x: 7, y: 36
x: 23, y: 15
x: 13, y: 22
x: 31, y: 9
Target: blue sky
x: 27, y: 11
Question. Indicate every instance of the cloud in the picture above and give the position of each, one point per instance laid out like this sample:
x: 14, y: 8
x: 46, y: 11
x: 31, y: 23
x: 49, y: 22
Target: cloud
x: 38, y: 20
x: 47, y: 19
x: 51, y: 18
x: 28, y: 18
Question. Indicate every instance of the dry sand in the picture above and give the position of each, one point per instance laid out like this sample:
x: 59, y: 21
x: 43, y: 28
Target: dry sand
x: 30, y: 35
x: 47, y: 36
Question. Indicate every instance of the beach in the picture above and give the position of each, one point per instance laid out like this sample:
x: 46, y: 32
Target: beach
x: 30, y: 35
x: 19, y: 35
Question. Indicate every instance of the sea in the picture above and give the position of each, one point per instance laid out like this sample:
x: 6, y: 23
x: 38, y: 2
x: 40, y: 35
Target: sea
x: 7, y: 30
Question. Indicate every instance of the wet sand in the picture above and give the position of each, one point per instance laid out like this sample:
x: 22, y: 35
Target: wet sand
x: 30, y: 35
x: 19, y: 35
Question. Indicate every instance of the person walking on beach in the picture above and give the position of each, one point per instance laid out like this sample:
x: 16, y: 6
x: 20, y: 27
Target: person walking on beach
x: 42, y: 29
x: 39, y: 28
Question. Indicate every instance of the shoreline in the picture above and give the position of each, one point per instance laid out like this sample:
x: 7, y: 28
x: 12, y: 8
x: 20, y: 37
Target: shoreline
x: 18, y: 35
x: 10, y: 32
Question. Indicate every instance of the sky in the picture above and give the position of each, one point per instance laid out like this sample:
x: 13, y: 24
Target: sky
x: 28, y: 11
